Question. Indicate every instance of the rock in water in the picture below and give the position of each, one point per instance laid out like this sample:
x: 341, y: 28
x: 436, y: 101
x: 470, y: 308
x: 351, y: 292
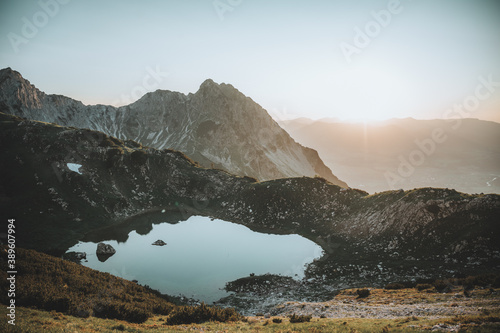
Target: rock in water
x: 159, y: 242
x: 104, y: 251
x: 75, y: 256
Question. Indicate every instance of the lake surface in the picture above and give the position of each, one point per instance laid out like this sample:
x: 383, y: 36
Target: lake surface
x: 201, y: 255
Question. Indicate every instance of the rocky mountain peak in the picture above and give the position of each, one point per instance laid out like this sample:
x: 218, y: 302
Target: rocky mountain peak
x: 8, y: 72
x: 209, y: 88
x: 11, y: 78
x: 16, y: 90
x: 208, y: 83
x: 218, y: 126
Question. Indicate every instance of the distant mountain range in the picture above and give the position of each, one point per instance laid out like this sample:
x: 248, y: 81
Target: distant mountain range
x: 463, y: 154
x: 218, y: 127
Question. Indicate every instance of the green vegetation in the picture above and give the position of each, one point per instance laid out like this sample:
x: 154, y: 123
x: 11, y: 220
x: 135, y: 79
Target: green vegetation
x: 394, y: 286
x: 321, y: 179
x: 299, y: 318
x: 201, y: 314
x: 423, y: 286
x: 139, y: 157
x: 363, y: 293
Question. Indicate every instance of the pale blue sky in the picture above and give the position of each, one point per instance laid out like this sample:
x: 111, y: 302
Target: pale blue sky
x: 285, y: 55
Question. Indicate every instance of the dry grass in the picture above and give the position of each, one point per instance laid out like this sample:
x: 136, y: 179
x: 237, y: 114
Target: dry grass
x: 30, y: 320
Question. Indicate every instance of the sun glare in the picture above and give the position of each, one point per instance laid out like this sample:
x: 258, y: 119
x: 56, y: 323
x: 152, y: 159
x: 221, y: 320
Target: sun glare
x: 372, y: 94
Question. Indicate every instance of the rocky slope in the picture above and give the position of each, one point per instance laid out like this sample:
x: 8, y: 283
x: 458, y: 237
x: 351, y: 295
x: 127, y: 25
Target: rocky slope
x: 217, y: 126
x: 116, y: 186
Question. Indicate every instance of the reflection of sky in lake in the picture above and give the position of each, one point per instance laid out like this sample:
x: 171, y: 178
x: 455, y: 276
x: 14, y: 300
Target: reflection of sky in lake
x: 201, y: 256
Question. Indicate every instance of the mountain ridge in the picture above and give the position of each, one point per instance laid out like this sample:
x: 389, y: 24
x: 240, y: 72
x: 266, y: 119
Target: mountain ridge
x: 218, y: 126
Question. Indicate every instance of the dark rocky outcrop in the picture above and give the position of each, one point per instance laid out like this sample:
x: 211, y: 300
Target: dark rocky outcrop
x: 104, y: 251
x: 75, y: 256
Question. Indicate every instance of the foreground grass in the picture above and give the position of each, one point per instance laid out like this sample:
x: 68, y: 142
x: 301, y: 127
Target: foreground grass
x: 30, y: 320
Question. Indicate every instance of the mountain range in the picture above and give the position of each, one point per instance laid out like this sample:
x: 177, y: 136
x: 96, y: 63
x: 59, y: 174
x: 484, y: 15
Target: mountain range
x: 217, y: 126
x: 463, y: 154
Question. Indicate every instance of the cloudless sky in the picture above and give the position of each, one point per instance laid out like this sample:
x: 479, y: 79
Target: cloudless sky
x: 285, y: 55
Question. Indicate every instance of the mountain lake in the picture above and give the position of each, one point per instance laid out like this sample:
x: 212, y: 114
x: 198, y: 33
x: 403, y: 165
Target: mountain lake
x: 201, y: 256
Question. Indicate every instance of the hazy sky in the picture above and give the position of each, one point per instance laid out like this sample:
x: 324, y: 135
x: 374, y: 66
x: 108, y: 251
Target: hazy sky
x: 295, y: 58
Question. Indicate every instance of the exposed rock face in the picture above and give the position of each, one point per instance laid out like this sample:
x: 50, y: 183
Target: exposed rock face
x: 423, y: 231
x: 217, y: 126
x: 105, y: 249
x: 75, y: 256
x: 159, y: 242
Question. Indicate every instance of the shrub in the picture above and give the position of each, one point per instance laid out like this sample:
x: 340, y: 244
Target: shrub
x: 299, y: 318
x: 121, y: 311
x: 441, y: 285
x: 321, y: 179
x: 277, y: 320
x: 483, y: 280
x: 469, y: 283
x: 362, y: 293
x: 120, y: 327
x: 395, y: 286
x: 201, y: 314
x: 496, y: 282
x: 139, y: 157
x: 423, y: 286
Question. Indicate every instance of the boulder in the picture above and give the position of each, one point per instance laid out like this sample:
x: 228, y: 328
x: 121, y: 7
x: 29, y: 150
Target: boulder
x: 104, y: 251
x: 159, y: 242
x: 75, y: 256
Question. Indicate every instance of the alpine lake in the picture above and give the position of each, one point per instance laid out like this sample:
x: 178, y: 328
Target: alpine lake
x: 200, y: 256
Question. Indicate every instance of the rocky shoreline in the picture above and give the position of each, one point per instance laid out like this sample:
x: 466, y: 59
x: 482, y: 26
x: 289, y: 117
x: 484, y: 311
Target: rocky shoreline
x: 393, y: 304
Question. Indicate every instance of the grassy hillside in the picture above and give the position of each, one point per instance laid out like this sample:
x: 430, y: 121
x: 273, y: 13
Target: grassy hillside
x: 52, y: 284
x: 49, y: 283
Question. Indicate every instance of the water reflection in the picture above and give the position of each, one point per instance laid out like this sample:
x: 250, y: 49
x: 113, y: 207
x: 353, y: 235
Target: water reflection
x: 201, y: 255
